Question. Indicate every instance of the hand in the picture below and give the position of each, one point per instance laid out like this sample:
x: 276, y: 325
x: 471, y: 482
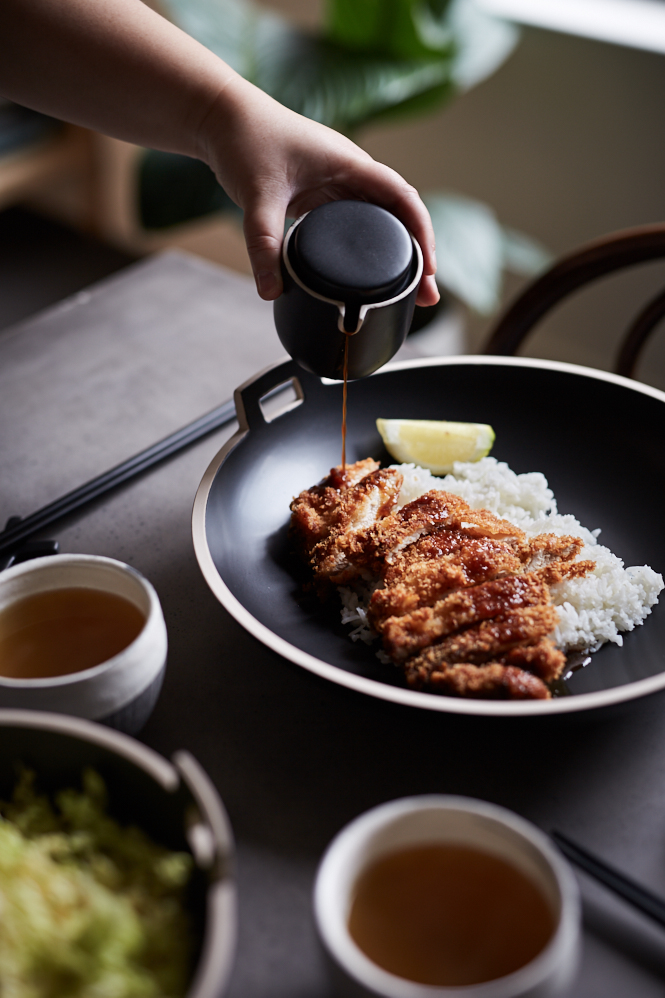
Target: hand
x: 275, y: 163
x: 140, y: 78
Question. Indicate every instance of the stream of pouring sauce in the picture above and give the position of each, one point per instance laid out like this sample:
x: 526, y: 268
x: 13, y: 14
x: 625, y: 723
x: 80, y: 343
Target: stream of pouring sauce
x: 346, y: 376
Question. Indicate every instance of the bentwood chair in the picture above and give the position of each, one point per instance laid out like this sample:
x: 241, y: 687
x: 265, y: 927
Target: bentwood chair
x: 597, y: 259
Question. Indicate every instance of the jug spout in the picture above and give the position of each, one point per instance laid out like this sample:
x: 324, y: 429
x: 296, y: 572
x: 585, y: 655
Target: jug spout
x: 351, y: 320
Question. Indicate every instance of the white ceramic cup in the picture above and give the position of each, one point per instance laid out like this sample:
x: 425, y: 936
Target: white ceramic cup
x: 105, y: 689
x: 430, y: 820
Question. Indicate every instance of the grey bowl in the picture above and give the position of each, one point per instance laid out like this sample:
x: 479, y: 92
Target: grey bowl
x: 174, y: 802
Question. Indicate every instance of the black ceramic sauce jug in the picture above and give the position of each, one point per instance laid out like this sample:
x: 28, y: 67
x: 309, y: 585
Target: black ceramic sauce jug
x: 351, y: 270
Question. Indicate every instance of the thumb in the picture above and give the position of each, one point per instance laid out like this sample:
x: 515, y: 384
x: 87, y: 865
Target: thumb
x: 264, y: 229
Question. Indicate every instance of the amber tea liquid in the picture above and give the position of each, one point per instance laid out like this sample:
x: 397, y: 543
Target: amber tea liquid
x: 60, y: 631
x: 448, y: 915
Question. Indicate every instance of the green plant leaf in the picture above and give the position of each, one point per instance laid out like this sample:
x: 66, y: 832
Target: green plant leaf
x: 318, y: 78
x: 355, y: 24
x: 469, y: 249
x: 232, y: 29
x: 473, y: 249
x: 173, y: 189
x: 345, y: 90
x: 402, y: 29
x: 424, y: 29
x: 483, y: 43
x: 415, y: 106
x: 381, y: 57
x: 524, y: 255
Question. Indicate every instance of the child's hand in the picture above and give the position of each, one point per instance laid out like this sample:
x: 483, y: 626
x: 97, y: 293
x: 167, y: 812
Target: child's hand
x: 142, y: 79
x: 275, y: 163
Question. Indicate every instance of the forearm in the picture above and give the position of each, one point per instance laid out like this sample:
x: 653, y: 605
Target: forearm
x: 118, y: 67
x: 112, y: 65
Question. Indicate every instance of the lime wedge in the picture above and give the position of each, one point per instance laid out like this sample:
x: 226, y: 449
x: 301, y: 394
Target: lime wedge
x: 435, y: 444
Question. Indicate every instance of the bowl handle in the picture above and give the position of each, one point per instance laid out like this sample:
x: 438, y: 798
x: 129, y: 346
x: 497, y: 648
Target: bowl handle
x: 268, y: 383
x: 213, y: 852
x: 211, y: 840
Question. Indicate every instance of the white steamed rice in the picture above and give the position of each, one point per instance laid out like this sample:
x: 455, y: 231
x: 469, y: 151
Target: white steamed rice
x: 592, y: 610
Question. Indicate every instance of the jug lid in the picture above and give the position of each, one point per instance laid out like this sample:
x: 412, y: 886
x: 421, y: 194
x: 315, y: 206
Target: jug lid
x: 353, y: 252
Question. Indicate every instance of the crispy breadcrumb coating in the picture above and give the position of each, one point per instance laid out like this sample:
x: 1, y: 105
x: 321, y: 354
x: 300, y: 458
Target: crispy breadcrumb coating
x: 462, y: 600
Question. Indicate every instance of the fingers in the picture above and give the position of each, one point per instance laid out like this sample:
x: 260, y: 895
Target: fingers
x: 411, y: 210
x: 428, y: 292
x: 378, y: 183
x: 264, y: 221
x: 404, y: 201
x: 264, y: 227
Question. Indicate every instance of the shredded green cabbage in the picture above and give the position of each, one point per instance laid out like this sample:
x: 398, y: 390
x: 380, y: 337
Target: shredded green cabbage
x: 87, y: 907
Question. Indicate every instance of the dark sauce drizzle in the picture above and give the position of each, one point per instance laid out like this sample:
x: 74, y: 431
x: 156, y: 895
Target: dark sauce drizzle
x: 346, y: 377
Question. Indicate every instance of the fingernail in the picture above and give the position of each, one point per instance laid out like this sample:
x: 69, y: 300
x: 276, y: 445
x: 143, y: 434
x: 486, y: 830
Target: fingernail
x: 267, y: 284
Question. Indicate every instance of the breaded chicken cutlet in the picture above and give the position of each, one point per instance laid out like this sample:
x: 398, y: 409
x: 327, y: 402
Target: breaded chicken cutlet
x: 461, y: 599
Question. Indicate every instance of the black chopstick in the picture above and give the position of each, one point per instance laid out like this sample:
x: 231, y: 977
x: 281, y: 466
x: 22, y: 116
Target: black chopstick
x: 16, y: 534
x: 648, y: 903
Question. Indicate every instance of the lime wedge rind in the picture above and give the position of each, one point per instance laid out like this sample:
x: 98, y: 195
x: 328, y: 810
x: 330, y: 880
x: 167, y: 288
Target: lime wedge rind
x: 435, y: 444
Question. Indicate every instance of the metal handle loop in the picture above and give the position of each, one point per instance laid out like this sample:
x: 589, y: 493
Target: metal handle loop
x: 248, y: 396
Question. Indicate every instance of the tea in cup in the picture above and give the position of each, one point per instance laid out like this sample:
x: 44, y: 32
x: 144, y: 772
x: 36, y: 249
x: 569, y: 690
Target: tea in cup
x: 440, y: 895
x: 82, y: 635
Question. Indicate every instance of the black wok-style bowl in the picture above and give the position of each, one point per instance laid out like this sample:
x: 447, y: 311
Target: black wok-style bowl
x: 597, y: 437
x: 174, y: 802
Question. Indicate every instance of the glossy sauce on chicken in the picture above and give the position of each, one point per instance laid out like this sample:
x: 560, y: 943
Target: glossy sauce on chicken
x: 460, y: 597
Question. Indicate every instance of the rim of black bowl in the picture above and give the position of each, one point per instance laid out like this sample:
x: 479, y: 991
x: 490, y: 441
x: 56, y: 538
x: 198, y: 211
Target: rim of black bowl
x: 161, y: 770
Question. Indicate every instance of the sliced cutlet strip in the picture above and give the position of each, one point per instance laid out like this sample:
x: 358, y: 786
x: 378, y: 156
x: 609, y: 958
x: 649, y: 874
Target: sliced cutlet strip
x: 488, y: 682
x: 351, y: 474
x: 386, y: 539
x: 359, y: 507
x: 483, y: 523
x: 551, y: 558
x: 478, y: 555
x: 373, y: 549
x: 405, y: 636
x: 316, y: 511
x: 486, y: 641
x: 434, y: 565
x: 546, y: 548
x: 313, y: 514
x: 543, y: 659
x: 434, y: 510
x: 560, y: 570
x: 521, y: 674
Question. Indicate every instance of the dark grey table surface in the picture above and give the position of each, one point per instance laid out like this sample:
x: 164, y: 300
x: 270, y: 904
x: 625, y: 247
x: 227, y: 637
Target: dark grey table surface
x: 91, y: 381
